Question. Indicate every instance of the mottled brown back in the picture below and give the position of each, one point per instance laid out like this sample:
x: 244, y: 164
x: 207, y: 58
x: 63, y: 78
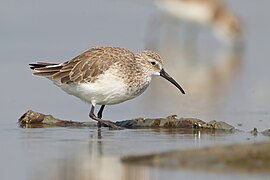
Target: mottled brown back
x: 84, y: 68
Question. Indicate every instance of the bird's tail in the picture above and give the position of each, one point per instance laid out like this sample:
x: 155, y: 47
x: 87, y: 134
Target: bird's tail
x: 45, y: 69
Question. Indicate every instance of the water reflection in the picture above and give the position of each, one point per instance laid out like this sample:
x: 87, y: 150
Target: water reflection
x: 102, y: 160
x: 95, y: 144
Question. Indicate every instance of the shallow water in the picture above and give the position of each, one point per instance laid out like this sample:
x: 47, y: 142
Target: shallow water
x: 82, y: 153
x: 57, y: 31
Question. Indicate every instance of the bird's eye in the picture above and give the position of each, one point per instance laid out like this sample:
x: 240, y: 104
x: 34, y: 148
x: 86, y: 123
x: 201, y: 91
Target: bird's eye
x: 153, y: 63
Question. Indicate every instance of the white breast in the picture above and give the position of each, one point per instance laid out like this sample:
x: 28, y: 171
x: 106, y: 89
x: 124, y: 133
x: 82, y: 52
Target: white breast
x: 107, y: 89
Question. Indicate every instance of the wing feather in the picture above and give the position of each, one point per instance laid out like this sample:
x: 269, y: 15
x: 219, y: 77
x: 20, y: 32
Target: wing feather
x: 85, y: 67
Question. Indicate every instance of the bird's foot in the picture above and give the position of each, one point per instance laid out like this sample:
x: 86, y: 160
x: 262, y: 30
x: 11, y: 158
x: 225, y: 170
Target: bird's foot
x: 110, y: 124
x: 107, y: 123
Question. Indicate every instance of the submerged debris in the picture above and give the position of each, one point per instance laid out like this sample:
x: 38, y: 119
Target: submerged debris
x: 174, y: 122
x: 254, y: 157
x: 266, y: 132
x: 32, y: 119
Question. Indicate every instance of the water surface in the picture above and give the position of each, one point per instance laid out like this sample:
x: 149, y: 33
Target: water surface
x: 235, y: 90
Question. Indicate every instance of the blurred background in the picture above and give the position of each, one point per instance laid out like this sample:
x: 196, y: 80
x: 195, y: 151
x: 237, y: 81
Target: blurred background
x: 218, y: 53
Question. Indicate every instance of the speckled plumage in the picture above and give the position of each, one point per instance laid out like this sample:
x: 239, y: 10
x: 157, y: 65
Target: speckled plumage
x: 85, y: 67
x: 105, y: 75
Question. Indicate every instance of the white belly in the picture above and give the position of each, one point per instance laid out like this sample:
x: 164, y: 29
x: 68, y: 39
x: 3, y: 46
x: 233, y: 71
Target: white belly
x: 108, y: 89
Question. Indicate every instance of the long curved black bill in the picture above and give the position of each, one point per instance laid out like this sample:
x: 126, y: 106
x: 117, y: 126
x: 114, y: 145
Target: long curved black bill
x: 169, y: 78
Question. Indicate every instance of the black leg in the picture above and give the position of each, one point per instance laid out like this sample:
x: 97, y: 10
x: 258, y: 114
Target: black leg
x: 92, y: 113
x: 93, y: 116
x: 99, y: 115
x: 100, y: 121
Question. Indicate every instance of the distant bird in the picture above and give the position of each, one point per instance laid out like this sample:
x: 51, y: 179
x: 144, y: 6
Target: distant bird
x: 105, y: 76
x: 211, y: 13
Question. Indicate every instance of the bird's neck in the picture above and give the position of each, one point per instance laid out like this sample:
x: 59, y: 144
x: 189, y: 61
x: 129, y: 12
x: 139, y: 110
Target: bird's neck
x: 138, y: 80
